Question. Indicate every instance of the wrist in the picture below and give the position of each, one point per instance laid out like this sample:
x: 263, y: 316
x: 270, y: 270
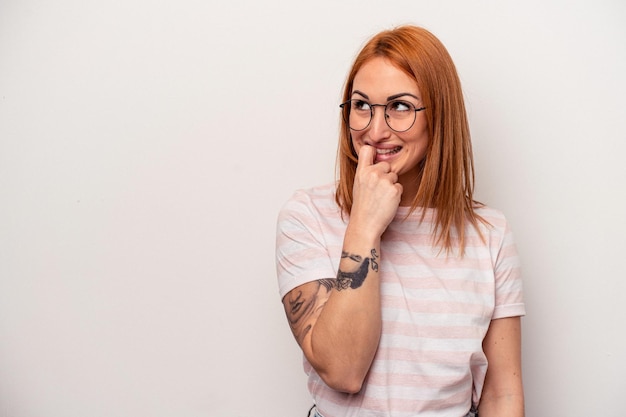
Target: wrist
x: 362, y: 234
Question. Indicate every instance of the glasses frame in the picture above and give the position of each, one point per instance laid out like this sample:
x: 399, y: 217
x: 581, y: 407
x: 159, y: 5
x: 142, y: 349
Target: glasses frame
x: 346, y: 114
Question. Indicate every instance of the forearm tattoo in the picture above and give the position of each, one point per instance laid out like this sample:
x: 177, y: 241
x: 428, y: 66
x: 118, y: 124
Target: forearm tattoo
x: 303, y: 306
x: 356, y: 278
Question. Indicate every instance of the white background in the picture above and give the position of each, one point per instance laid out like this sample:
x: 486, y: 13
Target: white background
x: 147, y: 146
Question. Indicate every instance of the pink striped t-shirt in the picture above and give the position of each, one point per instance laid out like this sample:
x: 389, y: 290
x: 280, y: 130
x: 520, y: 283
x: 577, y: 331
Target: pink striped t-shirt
x: 436, y: 307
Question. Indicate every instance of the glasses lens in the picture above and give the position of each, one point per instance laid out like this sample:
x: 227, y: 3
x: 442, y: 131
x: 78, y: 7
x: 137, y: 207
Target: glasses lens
x: 400, y: 115
x: 359, y: 114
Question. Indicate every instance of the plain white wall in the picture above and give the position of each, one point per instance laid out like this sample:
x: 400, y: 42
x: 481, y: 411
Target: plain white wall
x: 146, y: 147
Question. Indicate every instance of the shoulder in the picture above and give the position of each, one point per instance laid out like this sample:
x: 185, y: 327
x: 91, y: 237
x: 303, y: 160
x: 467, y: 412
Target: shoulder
x: 494, y: 231
x: 490, y: 213
x: 320, y: 193
x: 499, y: 237
x: 493, y: 219
x: 318, y: 201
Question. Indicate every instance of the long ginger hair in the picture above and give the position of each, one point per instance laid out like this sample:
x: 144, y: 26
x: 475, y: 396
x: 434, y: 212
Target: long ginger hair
x: 447, y: 175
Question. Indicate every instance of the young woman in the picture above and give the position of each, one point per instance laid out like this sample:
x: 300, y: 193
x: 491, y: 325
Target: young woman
x: 403, y: 293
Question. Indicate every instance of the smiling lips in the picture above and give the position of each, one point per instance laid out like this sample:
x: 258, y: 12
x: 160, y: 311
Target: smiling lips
x: 383, y: 154
x: 388, y: 151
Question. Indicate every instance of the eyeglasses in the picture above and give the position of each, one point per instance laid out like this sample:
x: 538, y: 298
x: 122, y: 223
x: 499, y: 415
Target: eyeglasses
x: 399, y: 114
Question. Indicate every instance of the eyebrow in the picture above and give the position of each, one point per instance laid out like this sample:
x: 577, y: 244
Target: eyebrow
x: 393, y: 97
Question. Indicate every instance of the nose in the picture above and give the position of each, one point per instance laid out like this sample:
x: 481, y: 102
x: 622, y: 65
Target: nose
x: 378, y: 128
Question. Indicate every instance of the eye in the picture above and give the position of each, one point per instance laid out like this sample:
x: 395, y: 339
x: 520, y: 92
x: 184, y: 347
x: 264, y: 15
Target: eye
x: 399, y: 106
x: 360, y: 105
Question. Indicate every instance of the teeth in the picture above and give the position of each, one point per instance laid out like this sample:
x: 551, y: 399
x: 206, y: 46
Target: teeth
x: 387, y: 151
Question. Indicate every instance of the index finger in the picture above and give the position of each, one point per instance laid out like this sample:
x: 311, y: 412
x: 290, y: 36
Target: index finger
x: 366, y: 156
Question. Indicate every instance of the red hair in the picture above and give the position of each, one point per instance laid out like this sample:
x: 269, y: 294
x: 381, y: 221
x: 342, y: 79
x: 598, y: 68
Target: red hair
x: 447, y: 175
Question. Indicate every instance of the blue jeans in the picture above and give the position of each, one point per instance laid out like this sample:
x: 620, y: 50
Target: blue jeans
x: 314, y: 413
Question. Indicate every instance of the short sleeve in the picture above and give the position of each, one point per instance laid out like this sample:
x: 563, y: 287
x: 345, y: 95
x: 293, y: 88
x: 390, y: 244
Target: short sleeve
x: 509, y: 298
x: 301, y: 249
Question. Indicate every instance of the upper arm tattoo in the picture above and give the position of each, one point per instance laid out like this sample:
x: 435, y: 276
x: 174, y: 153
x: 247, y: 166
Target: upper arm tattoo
x: 304, y: 304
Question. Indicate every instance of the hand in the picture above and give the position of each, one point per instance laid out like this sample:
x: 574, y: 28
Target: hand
x: 376, y: 193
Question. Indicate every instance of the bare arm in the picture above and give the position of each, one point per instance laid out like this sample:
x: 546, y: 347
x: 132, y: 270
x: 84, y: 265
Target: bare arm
x: 503, y: 393
x: 337, y: 322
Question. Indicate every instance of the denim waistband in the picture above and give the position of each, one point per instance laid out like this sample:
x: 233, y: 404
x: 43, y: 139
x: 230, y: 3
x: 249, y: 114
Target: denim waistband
x: 314, y: 413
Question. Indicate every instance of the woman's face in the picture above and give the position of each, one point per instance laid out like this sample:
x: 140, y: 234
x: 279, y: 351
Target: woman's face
x: 379, y: 82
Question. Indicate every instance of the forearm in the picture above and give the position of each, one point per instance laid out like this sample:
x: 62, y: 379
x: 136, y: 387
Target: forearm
x: 345, y: 338
x: 503, y: 406
x: 338, y: 322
